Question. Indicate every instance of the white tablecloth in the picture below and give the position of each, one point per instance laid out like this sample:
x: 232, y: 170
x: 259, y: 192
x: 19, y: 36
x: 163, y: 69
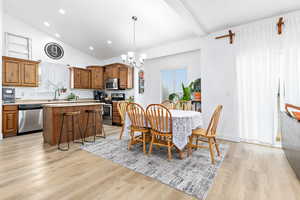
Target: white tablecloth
x: 183, y: 123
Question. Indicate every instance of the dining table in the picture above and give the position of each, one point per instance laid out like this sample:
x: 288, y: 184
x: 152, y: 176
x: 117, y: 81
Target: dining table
x: 183, y: 123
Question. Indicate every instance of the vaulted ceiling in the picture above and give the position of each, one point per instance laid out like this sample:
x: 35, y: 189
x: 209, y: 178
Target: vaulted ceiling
x: 94, y: 22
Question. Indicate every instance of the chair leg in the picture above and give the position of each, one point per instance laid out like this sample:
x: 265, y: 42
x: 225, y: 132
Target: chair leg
x: 151, y: 144
x: 190, y: 145
x: 102, y: 134
x: 60, y: 136
x: 131, y: 140
x: 121, y: 134
x: 144, y: 143
x: 95, y: 127
x: 86, y: 128
x: 211, y: 151
x: 169, y: 151
x: 217, y: 147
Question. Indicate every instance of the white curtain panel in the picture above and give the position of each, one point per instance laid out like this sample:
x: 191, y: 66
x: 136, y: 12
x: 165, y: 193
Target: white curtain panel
x: 258, y: 64
x: 290, y: 64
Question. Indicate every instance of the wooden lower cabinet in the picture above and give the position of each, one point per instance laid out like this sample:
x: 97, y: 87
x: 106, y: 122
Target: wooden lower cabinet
x: 52, y: 120
x: 10, y: 121
x: 116, y: 118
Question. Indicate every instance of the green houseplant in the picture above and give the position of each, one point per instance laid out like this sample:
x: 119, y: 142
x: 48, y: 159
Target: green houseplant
x: 187, y: 91
x: 174, y: 97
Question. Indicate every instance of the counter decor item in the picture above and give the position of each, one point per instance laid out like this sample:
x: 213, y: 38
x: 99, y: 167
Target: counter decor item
x: 71, y: 96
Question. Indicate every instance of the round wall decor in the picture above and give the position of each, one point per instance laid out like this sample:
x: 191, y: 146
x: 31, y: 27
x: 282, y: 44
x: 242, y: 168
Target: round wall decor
x: 54, y: 50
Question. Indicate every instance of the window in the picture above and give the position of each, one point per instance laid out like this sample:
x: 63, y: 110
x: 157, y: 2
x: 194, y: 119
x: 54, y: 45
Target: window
x: 171, y: 81
x: 17, y: 46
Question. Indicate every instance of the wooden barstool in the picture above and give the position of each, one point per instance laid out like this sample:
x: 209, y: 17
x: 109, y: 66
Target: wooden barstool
x: 69, y: 115
x: 92, y: 115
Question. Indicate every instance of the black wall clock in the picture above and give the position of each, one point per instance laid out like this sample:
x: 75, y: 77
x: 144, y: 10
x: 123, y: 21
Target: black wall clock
x: 54, y: 50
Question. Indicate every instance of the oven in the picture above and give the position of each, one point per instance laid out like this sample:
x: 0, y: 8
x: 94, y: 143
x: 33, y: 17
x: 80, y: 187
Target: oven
x: 112, y: 84
x: 107, y: 114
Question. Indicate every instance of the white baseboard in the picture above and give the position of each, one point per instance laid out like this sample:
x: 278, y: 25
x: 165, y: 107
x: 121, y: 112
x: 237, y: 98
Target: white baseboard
x: 231, y: 139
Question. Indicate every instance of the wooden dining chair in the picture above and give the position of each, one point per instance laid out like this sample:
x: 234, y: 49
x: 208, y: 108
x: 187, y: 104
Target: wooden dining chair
x: 160, y: 120
x: 167, y: 103
x: 122, y: 111
x: 207, y: 136
x: 139, y: 124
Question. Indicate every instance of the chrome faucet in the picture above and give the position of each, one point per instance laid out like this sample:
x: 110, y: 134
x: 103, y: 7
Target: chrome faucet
x: 57, y: 91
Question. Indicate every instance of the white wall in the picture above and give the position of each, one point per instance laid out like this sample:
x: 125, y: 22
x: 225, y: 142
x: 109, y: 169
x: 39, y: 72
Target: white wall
x: 188, y: 60
x: 219, y: 84
x: 71, y: 57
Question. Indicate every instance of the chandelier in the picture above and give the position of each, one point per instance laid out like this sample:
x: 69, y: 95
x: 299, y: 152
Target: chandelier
x: 131, y: 58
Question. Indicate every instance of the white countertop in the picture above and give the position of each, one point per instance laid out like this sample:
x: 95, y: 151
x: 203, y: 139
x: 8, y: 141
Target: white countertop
x: 72, y: 104
x: 18, y: 102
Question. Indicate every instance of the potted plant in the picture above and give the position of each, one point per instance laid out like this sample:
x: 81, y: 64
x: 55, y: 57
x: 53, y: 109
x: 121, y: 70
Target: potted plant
x: 174, y: 97
x: 187, y: 92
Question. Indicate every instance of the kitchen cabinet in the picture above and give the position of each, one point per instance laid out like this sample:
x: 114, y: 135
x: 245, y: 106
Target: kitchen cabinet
x: 126, y: 77
x: 116, y: 117
x: 10, y: 120
x: 112, y: 71
x: 80, y: 78
x: 122, y: 72
x: 97, y: 77
x: 20, y: 72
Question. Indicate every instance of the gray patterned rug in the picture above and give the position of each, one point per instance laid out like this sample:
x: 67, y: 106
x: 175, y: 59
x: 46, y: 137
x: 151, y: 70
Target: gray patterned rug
x: 193, y: 175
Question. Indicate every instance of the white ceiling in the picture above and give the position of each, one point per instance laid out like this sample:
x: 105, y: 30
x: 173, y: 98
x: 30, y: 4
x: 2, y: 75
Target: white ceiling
x: 93, y: 22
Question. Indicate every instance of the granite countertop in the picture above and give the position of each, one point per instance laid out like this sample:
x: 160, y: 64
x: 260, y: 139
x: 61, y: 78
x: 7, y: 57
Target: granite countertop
x: 18, y: 102
x: 71, y: 104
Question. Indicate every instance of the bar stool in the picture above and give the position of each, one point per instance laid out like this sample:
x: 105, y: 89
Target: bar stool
x: 69, y: 115
x: 92, y: 115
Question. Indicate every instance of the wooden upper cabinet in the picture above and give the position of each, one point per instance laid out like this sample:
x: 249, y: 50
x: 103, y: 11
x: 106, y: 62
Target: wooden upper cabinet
x: 112, y: 71
x: 85, y: 79
x: 126, y: 77
x: 80, y: 78
x: 122, y: 72
x: 97, y: 77
x: 30, y: 75
x: 20, y: 72
x: 76, y: 81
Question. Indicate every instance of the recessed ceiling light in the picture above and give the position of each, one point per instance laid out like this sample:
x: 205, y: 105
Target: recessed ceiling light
x: 91, y: 48
x: 109, y: 42
x: 46, y: 24
x: 62, y: 11
x: 57, y: 35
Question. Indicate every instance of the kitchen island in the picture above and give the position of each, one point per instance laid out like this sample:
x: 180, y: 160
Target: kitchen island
x: 52, y: 120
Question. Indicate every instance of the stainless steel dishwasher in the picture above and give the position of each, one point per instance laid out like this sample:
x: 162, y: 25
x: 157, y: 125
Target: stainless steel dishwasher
x: 30, y: 118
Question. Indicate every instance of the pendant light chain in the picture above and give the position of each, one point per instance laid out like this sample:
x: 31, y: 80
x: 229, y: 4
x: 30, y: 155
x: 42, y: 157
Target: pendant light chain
x: 131, y: 58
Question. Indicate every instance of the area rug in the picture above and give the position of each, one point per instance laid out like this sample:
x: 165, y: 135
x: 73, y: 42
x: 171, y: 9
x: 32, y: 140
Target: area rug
x: 194, y: 175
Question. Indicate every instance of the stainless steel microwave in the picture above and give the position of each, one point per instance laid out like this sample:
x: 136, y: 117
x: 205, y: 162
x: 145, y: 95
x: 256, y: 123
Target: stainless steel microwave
x: 112, y: 84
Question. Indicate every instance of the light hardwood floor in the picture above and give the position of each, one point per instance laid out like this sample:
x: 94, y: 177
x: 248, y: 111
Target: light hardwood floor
x: 30, y: 170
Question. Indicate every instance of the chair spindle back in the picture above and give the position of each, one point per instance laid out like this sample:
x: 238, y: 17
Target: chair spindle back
x: 137, y: 115
x: 160, y: 118
x: 212, y: 127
